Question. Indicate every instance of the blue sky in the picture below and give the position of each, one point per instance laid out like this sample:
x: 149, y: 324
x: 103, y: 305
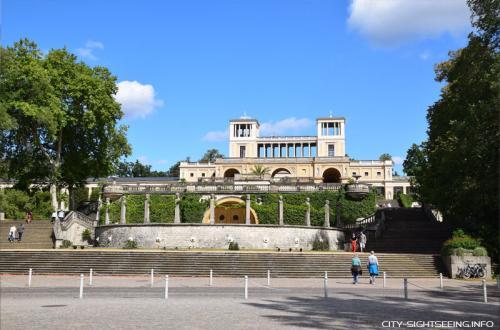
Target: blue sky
x: 186, y: 67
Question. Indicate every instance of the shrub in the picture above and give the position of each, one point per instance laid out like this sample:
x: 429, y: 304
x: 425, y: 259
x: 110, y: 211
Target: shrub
x: 15, y: 203
x: 130, y: 244
x: 405, y: 200
x: 66, y: 244
x: 480, y: 252
x: 192, y: 208
x: 321, y: 242
x: 86, y: 236
x: 234, y: 246
x: 459, y: 240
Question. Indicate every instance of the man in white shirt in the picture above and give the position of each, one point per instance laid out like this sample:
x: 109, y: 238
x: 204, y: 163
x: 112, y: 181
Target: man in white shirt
x: 362, y: 241
x: 12, y: 233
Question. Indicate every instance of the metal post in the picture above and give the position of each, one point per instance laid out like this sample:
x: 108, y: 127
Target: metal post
x: 441, y: 280
x: 485, y: 294
x: 29, y: 277
x: 498, y: 281
x: 81, y: 286
x: 384, y: 282
x: 90, y: 276
x: 211, y: 281
x: 166, y: 286
x: 405, y: 285
x: 326, y: 284
x: 246, y: 287
x: 152, y: 277
x: 268, y: 277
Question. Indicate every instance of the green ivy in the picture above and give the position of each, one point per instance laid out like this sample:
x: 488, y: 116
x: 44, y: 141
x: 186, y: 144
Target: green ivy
x: 162, y: 208
x: 192, y: 208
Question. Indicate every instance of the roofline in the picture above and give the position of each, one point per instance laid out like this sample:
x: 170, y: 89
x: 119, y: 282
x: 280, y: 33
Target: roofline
x: 328, y: 118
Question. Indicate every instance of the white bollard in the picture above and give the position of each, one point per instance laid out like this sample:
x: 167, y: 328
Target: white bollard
x: 90, y: 276
x: 246, y: 287
x: 441, y: 280
x: 166, y: 286
x: 210, y: 282
x: 81, y: 286
x: 325, y: 282
x: 485, y: 294
x: 405, y: 286
x: 152, y: 277
x: 268, y: 277
x: 29, y: 277
x: 384, y: 281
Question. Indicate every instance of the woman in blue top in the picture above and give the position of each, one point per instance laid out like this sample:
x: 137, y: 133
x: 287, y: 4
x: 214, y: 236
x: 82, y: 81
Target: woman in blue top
x: 372, y: 266
x: 355, y: 269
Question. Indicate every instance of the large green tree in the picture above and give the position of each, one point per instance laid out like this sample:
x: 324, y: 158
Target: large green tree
x: 59, y: 118
x: 456, y: 169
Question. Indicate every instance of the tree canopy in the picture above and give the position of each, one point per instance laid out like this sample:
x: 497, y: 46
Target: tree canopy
x: 58, y: 118
x: 384, y: 157
x: 210, y: 156
x: 456, y: 169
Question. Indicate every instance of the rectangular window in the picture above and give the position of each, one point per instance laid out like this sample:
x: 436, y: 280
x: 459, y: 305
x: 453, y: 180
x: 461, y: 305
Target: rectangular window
x: 242, y: 151
x: 203, y: 174
x: 353, y: 173
x: 331, y: 150
x: 366, y: 173
x: 379, y: 173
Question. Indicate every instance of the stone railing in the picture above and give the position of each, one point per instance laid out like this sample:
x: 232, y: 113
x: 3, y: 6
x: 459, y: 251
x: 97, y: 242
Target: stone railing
x: 362, y: 223
x: 71, y: 228
x: 220, y: 188
x: 75, y: 217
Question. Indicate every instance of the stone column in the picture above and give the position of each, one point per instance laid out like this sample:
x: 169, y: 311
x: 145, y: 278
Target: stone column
x: 177, y: 211
x: 146, y: 209
x: 280, y: 213
x: 308, y: 212
x: 327, y: 214
x: 99, y: 206
x: 106, y: 219
x: 212, y: 209
x: 247, y: 211
x: 123, y: 213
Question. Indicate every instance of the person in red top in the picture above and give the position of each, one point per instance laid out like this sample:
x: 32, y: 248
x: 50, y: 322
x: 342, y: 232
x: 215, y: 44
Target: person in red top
x: 353, y: 242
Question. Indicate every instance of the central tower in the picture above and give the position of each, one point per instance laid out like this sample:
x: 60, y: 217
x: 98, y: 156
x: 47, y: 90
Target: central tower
x: 243, y: 135
x: 331, y: 136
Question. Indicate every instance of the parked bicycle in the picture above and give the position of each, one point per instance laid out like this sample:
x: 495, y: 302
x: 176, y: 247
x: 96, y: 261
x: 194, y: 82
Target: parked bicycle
x: 472, y: 271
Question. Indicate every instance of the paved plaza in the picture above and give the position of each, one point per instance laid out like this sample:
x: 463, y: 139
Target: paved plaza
x: 124, y: 302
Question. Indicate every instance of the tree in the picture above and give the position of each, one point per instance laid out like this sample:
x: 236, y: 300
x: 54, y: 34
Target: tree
x: 174, y: 170
x: 459, y: 169
x: 210, y: 156
x: 385, y: 157
x: 61, y: 118
x: 260, y: 170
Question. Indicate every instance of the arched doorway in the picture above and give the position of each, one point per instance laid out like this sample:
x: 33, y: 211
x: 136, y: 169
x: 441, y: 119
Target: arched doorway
x: 231, y: 172
x: 230, y: 210
x: 281, y: 173
x: 331, y: 175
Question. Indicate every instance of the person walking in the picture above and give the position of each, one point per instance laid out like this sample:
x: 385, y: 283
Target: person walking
x: 356, y: 269
x: 362, y: 241
x: 12, y: 233
x: 29, y: 217
x: 20, y: 232
x: 353, y: 242
x: 372, y: 266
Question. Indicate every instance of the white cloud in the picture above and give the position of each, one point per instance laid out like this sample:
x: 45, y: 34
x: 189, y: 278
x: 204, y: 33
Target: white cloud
x: 137, y: 100
x: 388, y: 23
x: 143, y: 159
x: 425, y: 55
x: 88, y: 50
x: 216, y: 136
x: 284, y: 126
x: 398, y: 160
x: 161, y: 161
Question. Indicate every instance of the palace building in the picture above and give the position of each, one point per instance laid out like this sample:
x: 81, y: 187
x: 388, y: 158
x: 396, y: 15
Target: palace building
x: 319, y: 159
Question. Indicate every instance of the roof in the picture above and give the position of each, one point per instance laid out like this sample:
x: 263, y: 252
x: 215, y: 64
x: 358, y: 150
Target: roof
x: 330, y: 118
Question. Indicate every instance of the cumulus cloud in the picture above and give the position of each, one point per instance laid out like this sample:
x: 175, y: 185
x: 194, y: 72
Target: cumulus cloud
x: 137, y: 100
x: 291, y: 124
x: 388, y: 23
x: 398, y: 160
x: 215, y: 136
x: 88, y: 50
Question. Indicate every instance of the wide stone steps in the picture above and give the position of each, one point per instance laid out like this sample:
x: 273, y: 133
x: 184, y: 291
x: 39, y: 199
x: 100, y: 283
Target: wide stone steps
x: 199, y: 264
x: 37, y: 235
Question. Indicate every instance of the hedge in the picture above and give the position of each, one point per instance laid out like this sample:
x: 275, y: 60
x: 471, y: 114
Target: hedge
x: 15, y: 203
x: 460, y: 242
x: 192, y: 208
x: 405, y: 200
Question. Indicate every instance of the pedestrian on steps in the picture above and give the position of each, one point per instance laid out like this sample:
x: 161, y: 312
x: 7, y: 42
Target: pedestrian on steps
x: 354, y: 241
x: 12, y: 233
x: 20, y: 232
x: 372, y: 266
x: 356, y: 269
x: 362, y: 241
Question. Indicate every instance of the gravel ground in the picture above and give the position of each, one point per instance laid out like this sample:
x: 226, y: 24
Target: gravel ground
x: 122, y: 302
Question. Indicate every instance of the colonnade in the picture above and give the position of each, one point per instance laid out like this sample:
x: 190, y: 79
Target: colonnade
x: 286, y: 150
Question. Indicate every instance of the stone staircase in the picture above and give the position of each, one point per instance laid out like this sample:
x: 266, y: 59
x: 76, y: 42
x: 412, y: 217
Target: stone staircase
x: 234, y: 264
x: 37, y: 235
x: 410, y: 231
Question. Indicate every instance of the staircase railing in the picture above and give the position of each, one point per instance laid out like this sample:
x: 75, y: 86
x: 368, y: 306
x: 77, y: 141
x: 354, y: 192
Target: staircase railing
x: 362, y: 223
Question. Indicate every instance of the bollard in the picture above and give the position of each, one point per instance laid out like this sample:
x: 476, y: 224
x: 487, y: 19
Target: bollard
x: 485, y: 294
x: 268, y: 277
x: 246, y: 287
x: 90, y: 277
x: 384, y: 282
x: 210, y: 282
x: 81, y: 286
x: 405, y: 286
x: 29, y: 277
x: 152, y: 277
x: 326, y: 284
x: 166, y: 286
x: 498, y: 281
x: 441, y: 280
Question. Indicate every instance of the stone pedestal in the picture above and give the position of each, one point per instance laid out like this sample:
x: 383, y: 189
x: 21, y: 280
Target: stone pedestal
x: 454, y: 264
